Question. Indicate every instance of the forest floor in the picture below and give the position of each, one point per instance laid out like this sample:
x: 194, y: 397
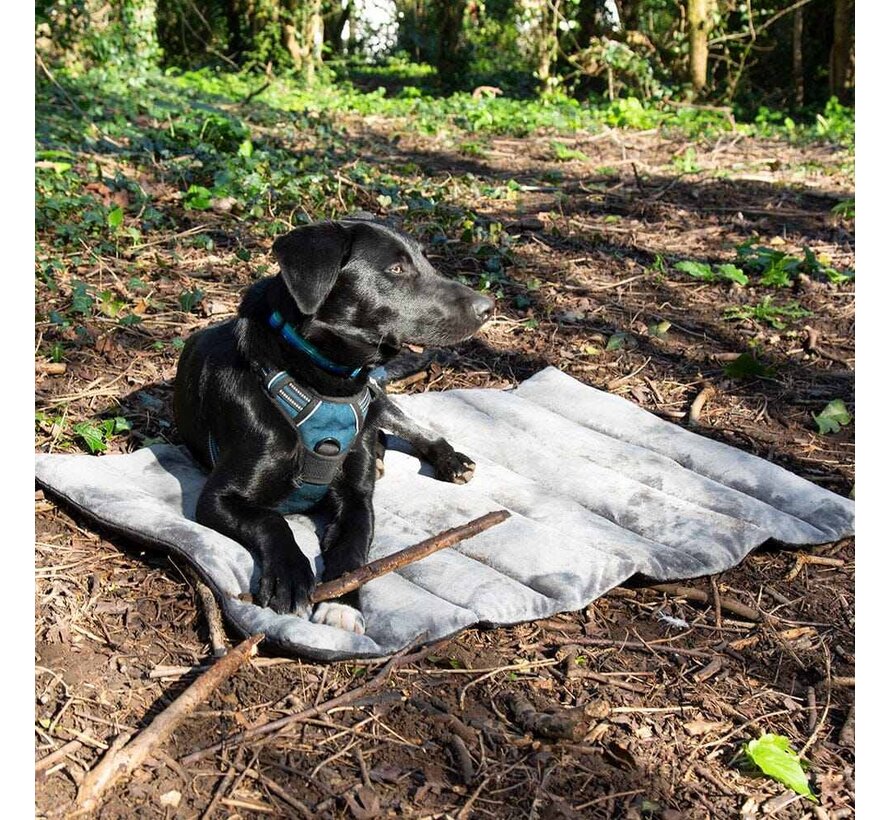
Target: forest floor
x: 579, y: 244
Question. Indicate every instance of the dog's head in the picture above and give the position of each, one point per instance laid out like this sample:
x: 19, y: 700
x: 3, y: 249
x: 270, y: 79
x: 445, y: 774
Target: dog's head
x: 374, y: 289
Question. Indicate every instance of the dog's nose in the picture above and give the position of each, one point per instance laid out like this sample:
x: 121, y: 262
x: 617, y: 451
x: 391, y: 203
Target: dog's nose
x: 482, y: 306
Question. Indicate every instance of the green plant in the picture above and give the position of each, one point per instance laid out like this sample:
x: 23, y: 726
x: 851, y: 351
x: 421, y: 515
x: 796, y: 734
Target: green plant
x: 779, y: 269
x: 703, y: 271
x: 766, y: 311
x: 197, y: 198
x: 190, y: 299
x: 563, y: 153
x: 773, y: 755
x: 687, y: 162
x: 833, y: 417
x: 97, y: 436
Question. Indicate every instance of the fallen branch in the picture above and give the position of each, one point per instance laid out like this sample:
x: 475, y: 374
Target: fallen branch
x: 126, y: 755
x: 356, y: 578
x: 334, y: 703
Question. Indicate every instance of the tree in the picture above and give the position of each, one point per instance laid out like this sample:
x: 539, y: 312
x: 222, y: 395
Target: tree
x: 700, y: 20
x: 841, y: 49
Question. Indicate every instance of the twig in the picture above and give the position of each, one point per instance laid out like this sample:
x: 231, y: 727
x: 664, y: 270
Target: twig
x: 574, y: 671
x: 698, y: 404
x: 54, y: 757
x: 218, y: 641
x: 464, y: 813
x: 641, y: 647
x: 341, y: 700
x: 126, y: 755
x: 702, y: 597
x: 256, y: 93
x: 353, y: 580
x: 50, y: 368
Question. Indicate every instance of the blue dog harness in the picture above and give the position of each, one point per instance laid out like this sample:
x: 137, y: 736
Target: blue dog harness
x: 327, y: 425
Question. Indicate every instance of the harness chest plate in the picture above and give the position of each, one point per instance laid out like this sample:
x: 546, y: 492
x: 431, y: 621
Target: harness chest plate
x: 327, y: 426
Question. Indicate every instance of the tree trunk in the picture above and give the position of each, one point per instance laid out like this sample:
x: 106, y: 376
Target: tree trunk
x: 797, y: 58
x: 236, y: 17
x: 449, y: 15
x: 302, y: 35
x: 700, y: 18
x: 545, y: 34
x: 841, y: 50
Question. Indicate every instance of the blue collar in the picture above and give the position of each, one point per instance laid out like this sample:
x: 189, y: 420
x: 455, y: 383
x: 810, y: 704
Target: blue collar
x: 294, y: 339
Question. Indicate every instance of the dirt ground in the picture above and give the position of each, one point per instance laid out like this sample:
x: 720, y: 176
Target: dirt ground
x: 659, y: 710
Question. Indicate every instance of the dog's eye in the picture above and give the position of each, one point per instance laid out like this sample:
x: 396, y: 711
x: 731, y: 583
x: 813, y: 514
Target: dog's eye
x: 395, y: 269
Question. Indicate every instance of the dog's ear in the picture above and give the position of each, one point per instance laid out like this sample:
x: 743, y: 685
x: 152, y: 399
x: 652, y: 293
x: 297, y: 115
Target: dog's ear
x: 310, y: 259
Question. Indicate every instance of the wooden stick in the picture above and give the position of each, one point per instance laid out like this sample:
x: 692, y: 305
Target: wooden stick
x: 346, y: 698
x: 125, y: 755
x: 356, y: 578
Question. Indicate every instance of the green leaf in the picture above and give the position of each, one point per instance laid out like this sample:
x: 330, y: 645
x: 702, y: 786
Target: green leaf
x: 732, y: 273
x: 81, y: 298
x: 119, y: 424
x: 188, y: 299
x: 698, y: 270
x: 93, y: 436
x: 832, y: 417
x: 747, y: 366
x: 659, y: 329
x: 115, y: 217
x: 198, y: 198
x: 616, y: 341
x: 110, y: 305
x: 772, y: 754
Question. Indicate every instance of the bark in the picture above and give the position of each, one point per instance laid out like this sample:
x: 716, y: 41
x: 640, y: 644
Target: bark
x: 841, y: 50
x: 302, y: 35
x: 449, y: 16
x: 797, y: 57
x: 699, y: 16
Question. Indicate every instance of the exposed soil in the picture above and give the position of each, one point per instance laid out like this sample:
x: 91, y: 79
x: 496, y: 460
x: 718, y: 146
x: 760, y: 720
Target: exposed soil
x: 659, y: 731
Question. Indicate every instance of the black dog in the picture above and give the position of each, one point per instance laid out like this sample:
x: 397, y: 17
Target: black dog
x: 278, y: 403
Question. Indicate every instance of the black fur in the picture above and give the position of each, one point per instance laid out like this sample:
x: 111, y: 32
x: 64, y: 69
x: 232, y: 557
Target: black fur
x: 358, y: 291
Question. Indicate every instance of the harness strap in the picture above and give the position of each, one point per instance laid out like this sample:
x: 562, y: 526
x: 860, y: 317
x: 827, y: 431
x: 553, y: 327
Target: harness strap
x: 327, y: 426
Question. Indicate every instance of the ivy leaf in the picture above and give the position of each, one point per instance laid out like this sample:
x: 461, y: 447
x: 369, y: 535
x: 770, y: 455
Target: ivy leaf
x: 772, y: 754
x: 698, y: 270
x: 81, y: 298
x: 93, y: 436
x: 197, y: 198
x: 832, y: 417
x: 115, y: 217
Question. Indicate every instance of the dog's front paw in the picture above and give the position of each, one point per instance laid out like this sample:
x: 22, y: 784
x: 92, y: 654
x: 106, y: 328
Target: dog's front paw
x: 285, y: 584
x: 455, y: 467
x: 341, y: 616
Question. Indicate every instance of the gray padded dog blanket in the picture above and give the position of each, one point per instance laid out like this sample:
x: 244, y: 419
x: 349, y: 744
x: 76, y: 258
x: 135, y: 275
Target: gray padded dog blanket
x: 598, y: 488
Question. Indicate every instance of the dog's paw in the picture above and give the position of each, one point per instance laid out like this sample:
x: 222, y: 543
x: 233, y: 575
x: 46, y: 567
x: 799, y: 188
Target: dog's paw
x: 455, y: 467
x: 379, y: 468
x: 341, y: 616
x: 285, y: 583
